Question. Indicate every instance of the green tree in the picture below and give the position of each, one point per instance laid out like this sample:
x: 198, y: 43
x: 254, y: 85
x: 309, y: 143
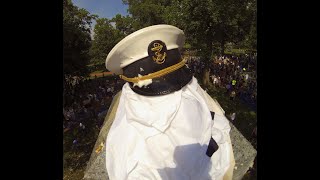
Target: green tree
x: 104, y: 39
x: 210, y: 24
x: 251, y: 37
x: 76, y: 38
x: 124, y: 24
x: 147, y: 12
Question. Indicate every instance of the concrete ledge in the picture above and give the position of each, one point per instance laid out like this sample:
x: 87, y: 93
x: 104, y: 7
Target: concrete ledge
x: 244, y: 153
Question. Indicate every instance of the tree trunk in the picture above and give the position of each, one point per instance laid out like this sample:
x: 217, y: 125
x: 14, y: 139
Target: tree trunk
x: 208, y: 60
x: 206, y: 77
x: 222, y: 47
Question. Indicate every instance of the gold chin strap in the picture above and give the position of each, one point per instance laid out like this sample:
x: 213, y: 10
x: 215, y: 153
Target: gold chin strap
x: 156, y: 74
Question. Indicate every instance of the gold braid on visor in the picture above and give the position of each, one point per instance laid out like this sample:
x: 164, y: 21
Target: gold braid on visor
x: 156, y: 74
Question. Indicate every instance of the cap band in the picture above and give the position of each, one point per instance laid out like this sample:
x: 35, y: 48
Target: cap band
x: 156, y: 74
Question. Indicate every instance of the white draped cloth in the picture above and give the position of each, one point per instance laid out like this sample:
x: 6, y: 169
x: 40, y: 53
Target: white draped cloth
x: 166, y: 137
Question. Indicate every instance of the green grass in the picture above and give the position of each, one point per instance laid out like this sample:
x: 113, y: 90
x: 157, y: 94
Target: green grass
x: 98, y: 71
x: 187, y: 46
x: 95, y: 64
x: 90, y: 65
x: 246, y: 118
x: 235, y: 51
x: 99, y: 76
x: 238, y: 51
x: 75, y: 159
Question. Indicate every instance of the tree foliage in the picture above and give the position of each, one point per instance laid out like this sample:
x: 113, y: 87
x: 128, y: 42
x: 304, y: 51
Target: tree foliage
x: 104, y: 39
x: 147, y: 12
x: 208, y: 24
x: 76, y: 38
x: 124, y: 24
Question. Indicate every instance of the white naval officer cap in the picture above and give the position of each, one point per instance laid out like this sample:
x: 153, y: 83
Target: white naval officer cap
x: 135, y: 46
